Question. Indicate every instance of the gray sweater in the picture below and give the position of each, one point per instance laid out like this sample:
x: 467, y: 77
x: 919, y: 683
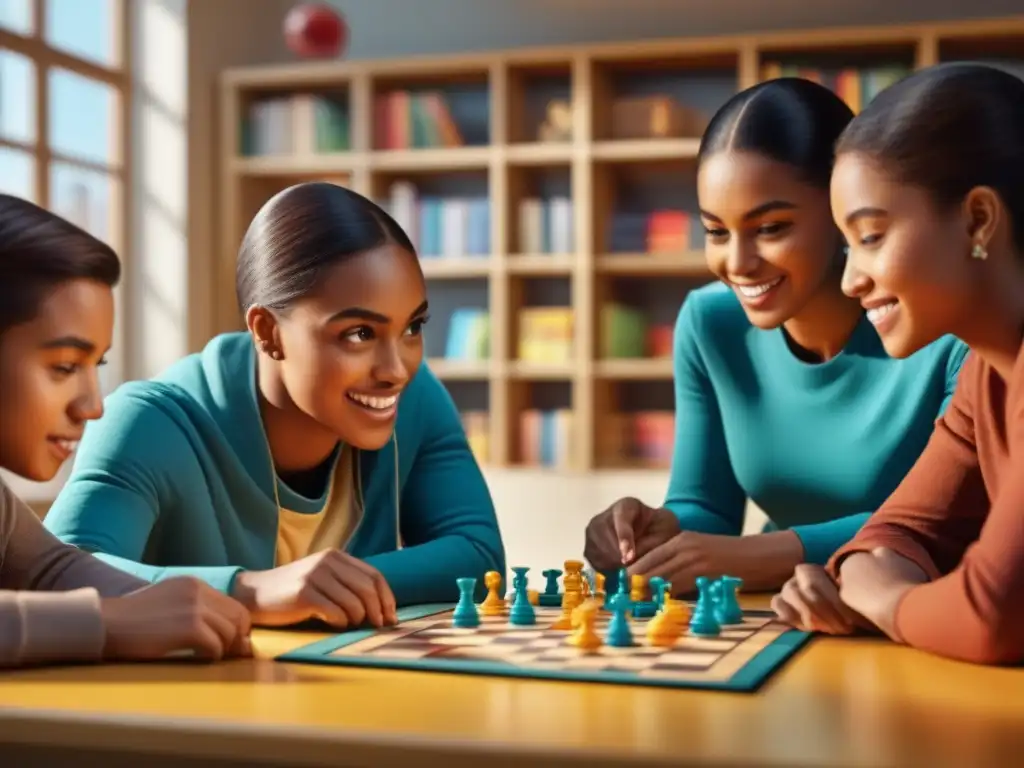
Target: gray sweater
x: 49, y: 592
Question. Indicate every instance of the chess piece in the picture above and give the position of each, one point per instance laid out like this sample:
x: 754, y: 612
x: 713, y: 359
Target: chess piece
x: 657, y: 585
x: 521, y: 613
x: 638, y: 588
x: 727, y: 607
x: 492, y: 605
x: 584, y: 617
x: 663, y: 630
x: 703, y: 622
x: 465, y: 614
x: 619, y: 634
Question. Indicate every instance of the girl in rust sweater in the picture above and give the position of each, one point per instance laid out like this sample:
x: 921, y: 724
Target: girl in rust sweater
x: 928, y: 189
x: 58, y: 603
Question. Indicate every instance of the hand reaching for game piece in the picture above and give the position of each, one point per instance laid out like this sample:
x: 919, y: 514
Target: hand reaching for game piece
x: 810, y: 601
x: 628, y: 529
x: 172, y: 617
x: 872, y: 583
x: 331, y: 586
x: 683, y: 557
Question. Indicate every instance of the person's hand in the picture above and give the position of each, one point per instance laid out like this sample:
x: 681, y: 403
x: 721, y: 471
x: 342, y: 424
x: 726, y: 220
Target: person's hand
x: 873, y: 583
x: 628, y: 529
x: 810, y: 601
x: 180, y: 616
x: 687, y: 555
x: 331, y: 586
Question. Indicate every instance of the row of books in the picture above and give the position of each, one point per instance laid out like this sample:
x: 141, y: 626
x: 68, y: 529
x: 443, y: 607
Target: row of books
x: 477, y: 425
x: 662, y: 231
x: 545, y: 334
x: 469, y: 335
x: 441, y: 226
x: 299, y: 123
x: 545, y: 437
x: 857, y: 87
x: 546, y: 225
x: 414, y: 120
x: 626, y: 332
x: 649, y: 438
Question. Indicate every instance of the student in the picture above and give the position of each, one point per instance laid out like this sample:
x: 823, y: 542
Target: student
x: 313, y: 467
x: 784, y: 392
x: 929, y: 190
x: 57, y: 603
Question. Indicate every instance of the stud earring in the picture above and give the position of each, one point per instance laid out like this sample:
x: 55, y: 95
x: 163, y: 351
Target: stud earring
x: 979, y: 252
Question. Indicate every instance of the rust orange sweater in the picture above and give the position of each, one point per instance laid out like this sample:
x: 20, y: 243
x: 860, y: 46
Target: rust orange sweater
x: 959, y: 515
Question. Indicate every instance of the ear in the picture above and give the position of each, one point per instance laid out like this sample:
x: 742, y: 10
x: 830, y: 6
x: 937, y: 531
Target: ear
x: 983, y: 211
x: 262, y: 326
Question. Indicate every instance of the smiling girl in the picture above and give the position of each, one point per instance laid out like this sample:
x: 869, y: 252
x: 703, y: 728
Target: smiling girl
x: 929, y: 190
x: 57, y: 603
x: 312, y: 466
x: 784, y: 392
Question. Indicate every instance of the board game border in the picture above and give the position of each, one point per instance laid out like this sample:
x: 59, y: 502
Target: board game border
x: 747, y: 679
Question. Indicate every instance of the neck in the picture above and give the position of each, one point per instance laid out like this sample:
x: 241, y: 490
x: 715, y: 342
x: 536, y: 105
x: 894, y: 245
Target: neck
x: 297, y: 442
x: 994, y: 326
x: 823, y: 328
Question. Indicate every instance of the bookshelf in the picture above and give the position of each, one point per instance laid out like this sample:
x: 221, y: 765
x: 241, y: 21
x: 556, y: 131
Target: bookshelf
x: 551, y: 193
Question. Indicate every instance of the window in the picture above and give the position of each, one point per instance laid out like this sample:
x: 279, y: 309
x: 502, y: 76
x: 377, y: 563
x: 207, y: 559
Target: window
x: 63, y: 124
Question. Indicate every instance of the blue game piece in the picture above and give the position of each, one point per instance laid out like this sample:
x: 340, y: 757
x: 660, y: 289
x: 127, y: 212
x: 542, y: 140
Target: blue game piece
x: 657, y: 586
x: 727, y: 606
x: 703, y: 621
x: 619, y: 634
x: 465, y: 614
x: 521, y: 613
x: 550, y: 597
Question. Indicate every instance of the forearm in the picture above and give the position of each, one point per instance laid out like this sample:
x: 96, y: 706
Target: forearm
x: 765, y: 561
x: 426, y: 573
x: 700, y: 519
x: 45, y: 627
x: 218, y: 577
x: 821, y: 540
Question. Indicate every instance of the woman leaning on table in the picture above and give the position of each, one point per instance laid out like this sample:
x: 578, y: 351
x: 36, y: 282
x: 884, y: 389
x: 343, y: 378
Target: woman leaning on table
x: 784, y: 392
x: 57, y: 603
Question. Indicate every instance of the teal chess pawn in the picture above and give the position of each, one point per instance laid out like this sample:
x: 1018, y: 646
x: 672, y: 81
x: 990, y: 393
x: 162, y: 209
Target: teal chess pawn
x: 657, y: 586
x: 727, y: 606
x: 618, y: 634
x: 550, y: 596
x: 703, y: 621
x: 465, y: 614
x: 521, y: 613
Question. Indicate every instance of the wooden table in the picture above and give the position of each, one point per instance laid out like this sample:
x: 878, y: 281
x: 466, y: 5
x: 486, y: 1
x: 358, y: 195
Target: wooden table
x: 841, y: 702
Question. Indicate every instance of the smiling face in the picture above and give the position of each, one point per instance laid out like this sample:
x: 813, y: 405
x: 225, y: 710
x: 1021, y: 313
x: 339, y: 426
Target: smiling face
x: 907, y: 262
x: 49, y: 379
x: 769, y: 234
x: 352, y: 347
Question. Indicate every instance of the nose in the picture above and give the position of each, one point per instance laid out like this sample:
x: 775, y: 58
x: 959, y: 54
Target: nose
x: 742, y: 258
x: 88, y: 405
x: 855, y: 283
x: 390, y: 365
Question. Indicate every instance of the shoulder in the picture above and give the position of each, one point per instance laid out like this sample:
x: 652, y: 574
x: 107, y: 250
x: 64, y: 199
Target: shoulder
x: 712, y: 309
x: 945, y: 357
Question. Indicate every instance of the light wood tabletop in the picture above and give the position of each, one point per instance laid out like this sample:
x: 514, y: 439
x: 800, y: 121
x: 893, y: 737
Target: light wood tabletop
x: 839, y: 702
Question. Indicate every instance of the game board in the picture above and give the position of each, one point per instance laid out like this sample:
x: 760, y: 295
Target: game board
x: 739, y: 659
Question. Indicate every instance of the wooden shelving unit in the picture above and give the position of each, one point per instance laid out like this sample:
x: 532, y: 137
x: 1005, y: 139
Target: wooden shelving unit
x: 502, y: 98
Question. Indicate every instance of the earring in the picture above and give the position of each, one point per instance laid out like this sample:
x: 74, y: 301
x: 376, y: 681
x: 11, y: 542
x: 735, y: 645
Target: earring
x: 979, y: 252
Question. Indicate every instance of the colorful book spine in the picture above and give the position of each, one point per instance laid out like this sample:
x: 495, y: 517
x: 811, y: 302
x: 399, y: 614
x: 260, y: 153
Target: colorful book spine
x: 441, y: 226
x: 478, y: 434
x: 298, y: 124
x: 469, y: 336
x: 545, y: 335
x: 661, y: 231
x: 408, y: 120
x: 856, y: 86
x: 546, y: 225
x: 545, y: 438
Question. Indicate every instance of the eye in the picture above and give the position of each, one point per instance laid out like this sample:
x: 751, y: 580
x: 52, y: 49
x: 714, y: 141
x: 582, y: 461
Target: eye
x: 358, y: 335
x: 63, y: 370
x: 773, y: 228
x: 416, y: 326
x: 716, y: 233
x: 870, y: 239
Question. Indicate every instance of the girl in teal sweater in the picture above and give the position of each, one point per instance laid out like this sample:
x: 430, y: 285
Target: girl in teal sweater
x: 784, y: 392
x: 311, y: 467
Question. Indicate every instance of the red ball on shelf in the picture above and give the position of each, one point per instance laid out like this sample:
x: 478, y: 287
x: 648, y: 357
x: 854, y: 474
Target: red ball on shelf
x: 315, y: 30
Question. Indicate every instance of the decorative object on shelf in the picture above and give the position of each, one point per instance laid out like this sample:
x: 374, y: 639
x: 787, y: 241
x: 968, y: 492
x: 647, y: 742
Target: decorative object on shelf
x: 315, y: 31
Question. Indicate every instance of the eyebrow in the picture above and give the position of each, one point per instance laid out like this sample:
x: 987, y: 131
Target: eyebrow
x: 761, y: 210
x: 864, y: 213
x: 70, y: 342
x: 361, y: 313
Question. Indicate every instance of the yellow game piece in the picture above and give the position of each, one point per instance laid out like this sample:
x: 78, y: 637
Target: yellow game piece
x: 493, y: 605
x: 638, y: 588
x: 533, y: 596
x: 570, y: 601
x: 599, y: 583
x: 676, y: 611
x: 584, y: 617
x: 663, y: 631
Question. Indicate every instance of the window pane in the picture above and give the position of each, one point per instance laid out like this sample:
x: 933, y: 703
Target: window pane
x: 16, y: 15
x: 87, y: 198
x: 18, y: 173
x: 83, y: 27
x: 83, y: 117
x: 17, y: 97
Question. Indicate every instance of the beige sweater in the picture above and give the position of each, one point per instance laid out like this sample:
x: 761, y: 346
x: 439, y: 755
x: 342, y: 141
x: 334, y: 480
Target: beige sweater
x: 49, y: 592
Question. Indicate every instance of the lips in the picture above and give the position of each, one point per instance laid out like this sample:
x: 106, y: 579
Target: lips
x: 878, y: 313
x: 754, y: 290
x: 62, y: 447
x: 376, y: 406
